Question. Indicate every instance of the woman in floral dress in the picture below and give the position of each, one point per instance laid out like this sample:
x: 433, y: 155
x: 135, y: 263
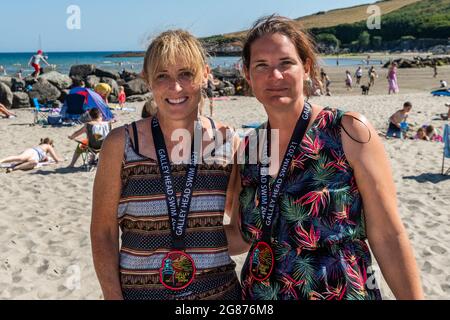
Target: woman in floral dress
x: 336, y: 194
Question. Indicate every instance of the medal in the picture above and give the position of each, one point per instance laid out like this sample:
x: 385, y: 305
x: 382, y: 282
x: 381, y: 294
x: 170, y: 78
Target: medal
x: 261, y: 261
x: 177, y: 270
x: 262, y: 256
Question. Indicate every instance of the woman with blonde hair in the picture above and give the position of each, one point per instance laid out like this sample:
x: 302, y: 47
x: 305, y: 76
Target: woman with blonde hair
x: 307, y: 217
x: 170, y: 249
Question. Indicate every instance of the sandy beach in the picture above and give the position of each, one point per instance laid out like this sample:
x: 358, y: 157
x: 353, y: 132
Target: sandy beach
x: 45, y: 213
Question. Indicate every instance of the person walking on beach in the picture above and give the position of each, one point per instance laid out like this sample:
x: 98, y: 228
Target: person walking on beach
x: 348, y: 80
x: 2, y: 70
x: 435, y: 70
x: 397, y: 120
x: 31, y: 157
x: 372, y: 75
x: 307, y: 217
x: 358, y: 75
x: 392, y: 79
x: 169, y: 251
x: 35, y: 63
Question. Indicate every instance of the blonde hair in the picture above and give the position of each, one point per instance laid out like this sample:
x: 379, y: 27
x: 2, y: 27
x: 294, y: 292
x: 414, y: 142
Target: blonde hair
x: 172, y: 47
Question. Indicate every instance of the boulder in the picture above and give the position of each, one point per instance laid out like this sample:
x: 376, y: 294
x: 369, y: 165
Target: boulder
x: 139, y: 97
x: 107, y: 74
x: 82, y: 70
x: 135, y: 87
x: 6, y: 95
x: 128, y: 75
x: 121, y: 82
x: 21, y: 100
x: 44, y: 91
x: 92, y: 81
x: 61, y: 81
x: 6, y: 80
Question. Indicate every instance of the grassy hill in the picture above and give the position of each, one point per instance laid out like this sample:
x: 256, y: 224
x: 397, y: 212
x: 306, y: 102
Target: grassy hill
x: 341, y: 16
x: 400, y: 18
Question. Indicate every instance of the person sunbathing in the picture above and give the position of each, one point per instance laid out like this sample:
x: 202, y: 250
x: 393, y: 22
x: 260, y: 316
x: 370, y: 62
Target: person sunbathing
x: 6, y: 113
x: 31, y: 157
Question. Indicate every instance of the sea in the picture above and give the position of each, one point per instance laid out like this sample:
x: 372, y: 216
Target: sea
x: 14, y: 62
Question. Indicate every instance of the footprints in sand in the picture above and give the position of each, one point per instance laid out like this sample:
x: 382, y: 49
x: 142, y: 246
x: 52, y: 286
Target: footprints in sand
x: 438, y: 249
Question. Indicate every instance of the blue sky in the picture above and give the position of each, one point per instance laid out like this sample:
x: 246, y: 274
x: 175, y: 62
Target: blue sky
x: 127, y: 24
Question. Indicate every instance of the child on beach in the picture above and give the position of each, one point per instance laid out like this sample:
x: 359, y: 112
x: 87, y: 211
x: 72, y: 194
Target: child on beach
x: 31, y: 157
x: 122, y: 97
x: 395, y: 121
x: 421, y: 135
x: 432, y: 134
x: 35, y: 63
x: 348, y: 80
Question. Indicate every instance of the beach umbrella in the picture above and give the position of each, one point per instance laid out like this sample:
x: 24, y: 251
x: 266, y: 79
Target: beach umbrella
x: 93, y: 100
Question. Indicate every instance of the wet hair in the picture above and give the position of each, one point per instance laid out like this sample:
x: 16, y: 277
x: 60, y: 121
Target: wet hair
x: 407, y: 104
x: 46, y: 141
x: 95, y: 113
x: 277, y: 24
x: 172, y: 47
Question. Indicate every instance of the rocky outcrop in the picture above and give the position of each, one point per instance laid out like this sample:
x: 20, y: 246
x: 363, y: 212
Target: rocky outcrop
x: 92, y: 81
x: 139, y: 97
x: 21, y: 100
x: 57, y: 79
x: 101, y: 73
x: 81, y: 71
x: 136, y: 87
x: 44, y: 91
x: 6, y: 80
x: 6, y: 95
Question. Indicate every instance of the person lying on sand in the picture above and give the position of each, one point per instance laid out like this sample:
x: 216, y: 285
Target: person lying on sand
x: 31, y: 157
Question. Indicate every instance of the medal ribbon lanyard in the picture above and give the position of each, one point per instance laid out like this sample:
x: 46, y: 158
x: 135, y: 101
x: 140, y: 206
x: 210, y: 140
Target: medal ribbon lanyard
x: 177, y: 214
x: 268, y: 199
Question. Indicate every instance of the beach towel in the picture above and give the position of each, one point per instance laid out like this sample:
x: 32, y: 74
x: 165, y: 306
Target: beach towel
x: 442, y: 93
x: 39, y: 165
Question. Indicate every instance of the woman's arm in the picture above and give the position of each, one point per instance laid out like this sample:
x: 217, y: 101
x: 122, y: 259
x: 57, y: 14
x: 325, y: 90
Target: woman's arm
x: 53, y: 154
x: 385, y: 231
x: 104, y: 225
x: 77, y: 133
x: 236, y: 243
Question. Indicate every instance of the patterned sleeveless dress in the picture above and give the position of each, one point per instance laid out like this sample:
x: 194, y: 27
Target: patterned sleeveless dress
x: 146, y: 235
x: 319, y: 238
